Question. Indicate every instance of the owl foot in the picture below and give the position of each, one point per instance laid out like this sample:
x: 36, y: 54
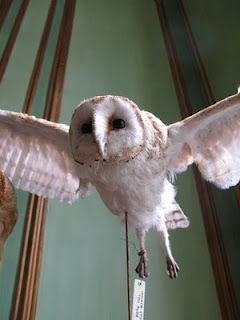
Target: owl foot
x: 143, y: 265
x: 172, y: 267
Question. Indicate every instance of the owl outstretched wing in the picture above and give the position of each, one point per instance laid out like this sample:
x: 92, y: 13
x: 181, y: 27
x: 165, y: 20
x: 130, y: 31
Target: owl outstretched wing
x: 211, y: 140
x: 36, y: 157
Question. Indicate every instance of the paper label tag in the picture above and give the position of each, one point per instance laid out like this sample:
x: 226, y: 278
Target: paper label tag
x: 138, y: 300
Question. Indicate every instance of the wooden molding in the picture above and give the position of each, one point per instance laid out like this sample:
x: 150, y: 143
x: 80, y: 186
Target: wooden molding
x: 177, y: 76
x: 198, y: 59
x: 223, y: 282
x: 12, y: 38
x: 24, y: 303
x: 4, y: 8
x: 55, y: 89
x: 32, y: 86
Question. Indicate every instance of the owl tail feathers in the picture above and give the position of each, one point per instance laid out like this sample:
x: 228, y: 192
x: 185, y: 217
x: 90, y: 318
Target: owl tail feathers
x: 176, y: 218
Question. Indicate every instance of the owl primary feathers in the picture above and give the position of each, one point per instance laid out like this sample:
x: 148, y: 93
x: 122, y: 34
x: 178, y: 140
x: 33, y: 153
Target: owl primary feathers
x: 127, y: 155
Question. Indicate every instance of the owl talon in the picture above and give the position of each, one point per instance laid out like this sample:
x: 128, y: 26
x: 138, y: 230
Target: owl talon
x: 141, y: 269
x: 172, y: 268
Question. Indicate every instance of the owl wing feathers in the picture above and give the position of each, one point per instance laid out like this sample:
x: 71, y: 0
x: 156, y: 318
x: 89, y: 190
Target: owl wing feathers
x: 36, y: 157
x: 211, y: 139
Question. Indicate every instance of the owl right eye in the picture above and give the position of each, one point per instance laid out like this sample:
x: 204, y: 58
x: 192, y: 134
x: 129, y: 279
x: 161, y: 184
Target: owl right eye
x: 87, y: 128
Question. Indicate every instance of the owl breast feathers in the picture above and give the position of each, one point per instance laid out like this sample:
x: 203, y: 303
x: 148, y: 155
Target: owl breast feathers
x: 126, y: 154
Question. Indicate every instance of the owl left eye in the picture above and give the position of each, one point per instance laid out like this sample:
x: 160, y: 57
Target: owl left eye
x: 87, y: 128
x: 118, y: 124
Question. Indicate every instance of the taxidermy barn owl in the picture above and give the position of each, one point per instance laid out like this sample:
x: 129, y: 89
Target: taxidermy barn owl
x: 8, y: 210
x: 128, y: 155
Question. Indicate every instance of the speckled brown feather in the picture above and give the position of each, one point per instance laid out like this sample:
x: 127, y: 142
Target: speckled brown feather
x: 8, y: 210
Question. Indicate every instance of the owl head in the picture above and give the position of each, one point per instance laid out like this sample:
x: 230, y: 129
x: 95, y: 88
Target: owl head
x: 106, y: 128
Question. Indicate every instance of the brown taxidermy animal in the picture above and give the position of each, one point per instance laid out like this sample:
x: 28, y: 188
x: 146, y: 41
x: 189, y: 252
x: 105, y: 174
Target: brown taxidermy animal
x: 8, y: 210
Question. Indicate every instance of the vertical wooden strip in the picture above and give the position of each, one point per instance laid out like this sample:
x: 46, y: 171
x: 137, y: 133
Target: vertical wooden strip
x: 12, y: 38
x: 39, y: 259
x: 178, y: 80
x: 24, y: 288
x: 226, y: 296
x: 18, y: 303
x: 25, y: 302
x: 20, y: 283
x: 32, y: 86
x: 33, y: 253
x: 4, y: 8
x: 193, y: 44
x: 223, y: 281
x: 55, y: 90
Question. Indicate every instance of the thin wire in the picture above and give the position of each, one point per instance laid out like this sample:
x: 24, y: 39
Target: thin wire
x: 128, y: 272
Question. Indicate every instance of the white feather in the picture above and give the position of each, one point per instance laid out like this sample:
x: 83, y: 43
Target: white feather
x: 36, y: 157
x: 211, y: 139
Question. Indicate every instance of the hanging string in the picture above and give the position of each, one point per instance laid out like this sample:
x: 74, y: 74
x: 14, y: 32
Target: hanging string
x: 128, y: 272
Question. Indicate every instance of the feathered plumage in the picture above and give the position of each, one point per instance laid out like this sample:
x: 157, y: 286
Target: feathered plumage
x: 127, y: 154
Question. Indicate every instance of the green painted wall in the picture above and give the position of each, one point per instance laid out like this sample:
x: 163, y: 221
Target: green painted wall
x: 116, y: 48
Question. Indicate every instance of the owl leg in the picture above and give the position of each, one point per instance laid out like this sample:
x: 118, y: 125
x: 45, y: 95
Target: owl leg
x: 172, y: 267
x: 142, y: 267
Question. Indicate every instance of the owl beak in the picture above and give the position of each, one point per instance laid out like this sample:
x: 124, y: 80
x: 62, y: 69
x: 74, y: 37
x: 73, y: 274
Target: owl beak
x: 100, y: 130
x: 102, y: 148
